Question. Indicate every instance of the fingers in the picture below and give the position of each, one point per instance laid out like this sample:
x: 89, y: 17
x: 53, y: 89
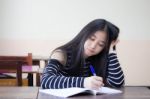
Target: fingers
x: 98, y: 78
x: 97, y: 82
x: 93, y: 82
x: 115, y: 42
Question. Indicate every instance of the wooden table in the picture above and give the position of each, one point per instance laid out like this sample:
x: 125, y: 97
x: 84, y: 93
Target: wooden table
x: 18, y: 92
x: 128, y: 93
x: 32, y: 93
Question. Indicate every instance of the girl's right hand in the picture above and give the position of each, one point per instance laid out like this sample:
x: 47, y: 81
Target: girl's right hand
x: 93, y: 82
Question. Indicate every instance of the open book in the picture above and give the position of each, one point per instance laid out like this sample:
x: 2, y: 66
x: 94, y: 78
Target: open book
x: 68, y: 92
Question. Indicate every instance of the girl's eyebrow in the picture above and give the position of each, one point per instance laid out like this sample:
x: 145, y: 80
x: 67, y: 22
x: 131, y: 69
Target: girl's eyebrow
x: 93, y: 35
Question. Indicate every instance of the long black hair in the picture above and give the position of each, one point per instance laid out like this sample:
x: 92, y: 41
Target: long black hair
x: 76, y: 46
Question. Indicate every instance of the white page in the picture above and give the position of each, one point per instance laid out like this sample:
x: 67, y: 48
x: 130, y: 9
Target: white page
x: 107, y: 90
x: 67, y: 92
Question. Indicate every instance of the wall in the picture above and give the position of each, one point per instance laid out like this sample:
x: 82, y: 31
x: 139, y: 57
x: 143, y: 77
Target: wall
x: 39, y: 26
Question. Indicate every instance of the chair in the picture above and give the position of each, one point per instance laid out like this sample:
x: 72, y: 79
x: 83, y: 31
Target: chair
x: 25, y: 60
x: 13, y: 66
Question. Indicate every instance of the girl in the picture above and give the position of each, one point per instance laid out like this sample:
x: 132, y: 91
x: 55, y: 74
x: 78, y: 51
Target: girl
x: 69, y: 65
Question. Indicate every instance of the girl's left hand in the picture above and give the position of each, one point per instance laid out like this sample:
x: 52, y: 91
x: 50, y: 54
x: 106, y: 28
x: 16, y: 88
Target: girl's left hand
x: 113, y: 43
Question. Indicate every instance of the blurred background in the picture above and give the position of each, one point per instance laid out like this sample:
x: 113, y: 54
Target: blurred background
x: 39, y: 26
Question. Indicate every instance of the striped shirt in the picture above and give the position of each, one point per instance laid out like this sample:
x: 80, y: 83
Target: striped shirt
x: 115, y: 76
x: 53, y: 77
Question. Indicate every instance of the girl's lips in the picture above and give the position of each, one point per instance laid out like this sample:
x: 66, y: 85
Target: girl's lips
x: 92, y: 51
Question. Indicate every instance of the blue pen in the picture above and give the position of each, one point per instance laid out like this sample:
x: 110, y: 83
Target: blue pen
x: 92, y: 70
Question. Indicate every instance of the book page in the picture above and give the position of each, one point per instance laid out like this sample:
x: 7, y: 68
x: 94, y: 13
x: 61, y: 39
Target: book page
x: 107, y: 90
x: 67, y: 92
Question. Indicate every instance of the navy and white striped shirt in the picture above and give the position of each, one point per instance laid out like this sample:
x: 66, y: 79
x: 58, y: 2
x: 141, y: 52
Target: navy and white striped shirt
x: 53, y: 77
x: 115, y: 76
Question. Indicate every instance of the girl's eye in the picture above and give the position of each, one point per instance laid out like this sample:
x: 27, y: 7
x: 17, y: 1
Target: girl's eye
x: 101, y: 45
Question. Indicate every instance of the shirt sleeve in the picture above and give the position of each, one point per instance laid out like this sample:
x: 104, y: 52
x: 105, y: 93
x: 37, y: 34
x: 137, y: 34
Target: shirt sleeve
x: 54, y: 78
x: 115, y: 76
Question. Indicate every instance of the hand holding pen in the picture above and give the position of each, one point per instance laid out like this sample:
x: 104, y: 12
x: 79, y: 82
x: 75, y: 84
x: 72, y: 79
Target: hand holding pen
x: 93, y: 82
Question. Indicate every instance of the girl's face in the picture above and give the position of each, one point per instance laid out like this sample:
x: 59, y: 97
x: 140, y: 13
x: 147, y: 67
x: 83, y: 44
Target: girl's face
x: 95, y: 43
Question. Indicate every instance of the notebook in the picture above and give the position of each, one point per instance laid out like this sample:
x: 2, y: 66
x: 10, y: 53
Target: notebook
x: 68, y: 92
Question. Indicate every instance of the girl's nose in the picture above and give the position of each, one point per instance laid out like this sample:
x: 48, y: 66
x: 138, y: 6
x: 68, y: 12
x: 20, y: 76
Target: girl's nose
x: 93, y: 45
